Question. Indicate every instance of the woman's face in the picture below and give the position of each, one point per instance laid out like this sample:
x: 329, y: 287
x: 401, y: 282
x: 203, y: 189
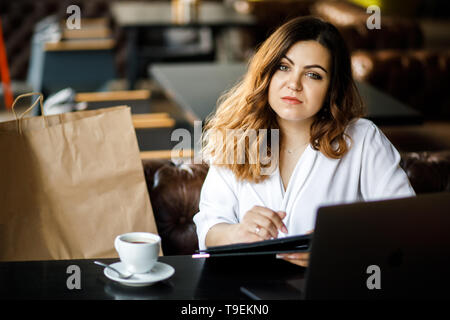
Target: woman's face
x: 299, y: 86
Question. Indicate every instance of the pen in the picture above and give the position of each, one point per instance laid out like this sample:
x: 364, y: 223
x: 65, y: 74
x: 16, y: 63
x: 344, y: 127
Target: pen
x: 201, y: 255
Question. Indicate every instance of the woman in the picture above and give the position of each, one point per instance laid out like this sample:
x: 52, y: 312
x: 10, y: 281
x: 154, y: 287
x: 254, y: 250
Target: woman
x: 299, y: 82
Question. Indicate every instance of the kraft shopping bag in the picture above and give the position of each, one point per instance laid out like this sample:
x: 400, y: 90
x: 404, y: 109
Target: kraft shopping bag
x: 69, y: 184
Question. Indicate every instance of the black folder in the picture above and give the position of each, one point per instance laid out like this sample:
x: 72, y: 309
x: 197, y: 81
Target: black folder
x: 289, y: 244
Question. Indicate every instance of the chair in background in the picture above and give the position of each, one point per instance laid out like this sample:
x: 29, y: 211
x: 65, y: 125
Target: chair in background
x: 80, y: 59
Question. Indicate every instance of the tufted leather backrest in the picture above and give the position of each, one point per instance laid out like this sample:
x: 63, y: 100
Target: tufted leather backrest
x: 419, y: 78
x: 175, y: 191
x: 351, y: 20
x: 428, y: 171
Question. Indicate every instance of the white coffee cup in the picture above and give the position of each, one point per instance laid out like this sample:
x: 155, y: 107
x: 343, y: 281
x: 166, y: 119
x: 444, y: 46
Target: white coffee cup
x: 138, y: 250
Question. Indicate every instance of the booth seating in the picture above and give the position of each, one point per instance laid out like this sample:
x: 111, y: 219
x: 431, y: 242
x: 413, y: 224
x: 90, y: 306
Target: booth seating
x: 419, y: 78
x: 351, y: 20
x: 394, y: 58
x: 175, y: 190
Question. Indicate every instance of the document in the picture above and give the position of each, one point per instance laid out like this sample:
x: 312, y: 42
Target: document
x: 300, y: 243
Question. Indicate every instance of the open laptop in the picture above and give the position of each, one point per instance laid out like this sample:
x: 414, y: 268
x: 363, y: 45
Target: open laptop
x: 391, y: 249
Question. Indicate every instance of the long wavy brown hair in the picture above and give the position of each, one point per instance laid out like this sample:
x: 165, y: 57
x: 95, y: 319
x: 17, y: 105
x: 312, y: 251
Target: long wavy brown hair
x: 245, y: 107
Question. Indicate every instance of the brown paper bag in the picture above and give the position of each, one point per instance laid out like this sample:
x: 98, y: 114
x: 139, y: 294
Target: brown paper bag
x: 69, y: 184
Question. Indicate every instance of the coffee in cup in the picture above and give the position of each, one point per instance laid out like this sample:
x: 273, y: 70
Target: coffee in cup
x: 138, y: 251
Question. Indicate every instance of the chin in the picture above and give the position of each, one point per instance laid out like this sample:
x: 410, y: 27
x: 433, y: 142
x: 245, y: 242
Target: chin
x: 295, y: 117
x: 289, y: 115
x: 292, y: 118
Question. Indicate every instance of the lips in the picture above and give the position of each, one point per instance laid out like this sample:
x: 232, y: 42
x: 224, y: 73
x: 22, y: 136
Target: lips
x: 291, y: 100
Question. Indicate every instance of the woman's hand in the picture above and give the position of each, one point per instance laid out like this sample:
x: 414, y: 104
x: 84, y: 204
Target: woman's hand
x: 259, y: 223
x: 298, y: 258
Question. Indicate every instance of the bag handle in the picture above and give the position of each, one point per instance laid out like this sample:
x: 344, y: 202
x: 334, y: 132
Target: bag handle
x: 40, y: 100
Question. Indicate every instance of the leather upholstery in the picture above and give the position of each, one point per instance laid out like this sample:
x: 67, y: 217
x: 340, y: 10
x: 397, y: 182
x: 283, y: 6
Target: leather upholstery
x: 393, y: 58
x: 428, y: 171
x: 175, y: 190
x: 174, y: 193
x: 351, y: 20
x: 419, y: 78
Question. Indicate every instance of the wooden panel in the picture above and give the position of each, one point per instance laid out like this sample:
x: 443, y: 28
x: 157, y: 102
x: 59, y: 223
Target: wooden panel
x: 73, y: 45
x: 112, y: 95
x: 87, y: 33
x: 156, y: 115
x: 149, y: 122
x: 166, y: 154
x: 91, y: 22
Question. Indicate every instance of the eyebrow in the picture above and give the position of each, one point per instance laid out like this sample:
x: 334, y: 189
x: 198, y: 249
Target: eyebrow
x: 308, y: 66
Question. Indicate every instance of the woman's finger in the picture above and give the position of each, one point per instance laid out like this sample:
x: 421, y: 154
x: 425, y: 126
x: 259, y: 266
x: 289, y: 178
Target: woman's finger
x: 261, y: 232
x: 298, y: 258
x: 274, y: 217
x: 296, y: 255
x: 269, y: 229
x: 248, y: 234
x: 254, y: 218
x: 302, y: 263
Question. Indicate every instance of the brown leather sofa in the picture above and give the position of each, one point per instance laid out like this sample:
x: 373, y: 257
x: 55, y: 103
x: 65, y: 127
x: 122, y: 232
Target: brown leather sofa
x: 351, y: 19
x: 419, y: 78
x: 393, y: 58
x: 175, y: 189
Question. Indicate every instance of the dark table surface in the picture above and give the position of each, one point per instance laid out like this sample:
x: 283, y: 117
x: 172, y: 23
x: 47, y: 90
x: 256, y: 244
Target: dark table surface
x: 213, y: 278
x: 196, y: 87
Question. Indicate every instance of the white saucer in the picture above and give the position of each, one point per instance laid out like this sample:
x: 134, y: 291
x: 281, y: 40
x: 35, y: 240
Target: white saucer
x: 160, y: 271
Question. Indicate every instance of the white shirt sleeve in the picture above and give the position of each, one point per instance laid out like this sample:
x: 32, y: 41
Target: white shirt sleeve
x: 218, y: 202
x: 381, y: 174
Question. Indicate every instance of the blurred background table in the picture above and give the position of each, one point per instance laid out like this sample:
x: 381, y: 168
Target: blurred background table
x: 153, y: 34
x: 196, y: 87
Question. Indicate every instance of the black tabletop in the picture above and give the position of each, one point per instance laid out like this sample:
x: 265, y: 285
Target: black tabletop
x: 203, y: 279
x: 197, y: 86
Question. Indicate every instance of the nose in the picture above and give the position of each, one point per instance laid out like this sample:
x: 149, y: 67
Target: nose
x: 294, y: 83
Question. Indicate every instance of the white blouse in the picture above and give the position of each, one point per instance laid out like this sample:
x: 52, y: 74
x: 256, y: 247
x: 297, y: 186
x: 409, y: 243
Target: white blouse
x: 370, y: 170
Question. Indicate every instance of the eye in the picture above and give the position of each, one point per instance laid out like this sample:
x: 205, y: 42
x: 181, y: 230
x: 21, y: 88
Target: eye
x: 314, y: 76
x: 283, y: 67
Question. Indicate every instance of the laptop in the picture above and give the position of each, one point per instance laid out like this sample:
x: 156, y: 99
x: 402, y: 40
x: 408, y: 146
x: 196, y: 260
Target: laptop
x: 390, y: 249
